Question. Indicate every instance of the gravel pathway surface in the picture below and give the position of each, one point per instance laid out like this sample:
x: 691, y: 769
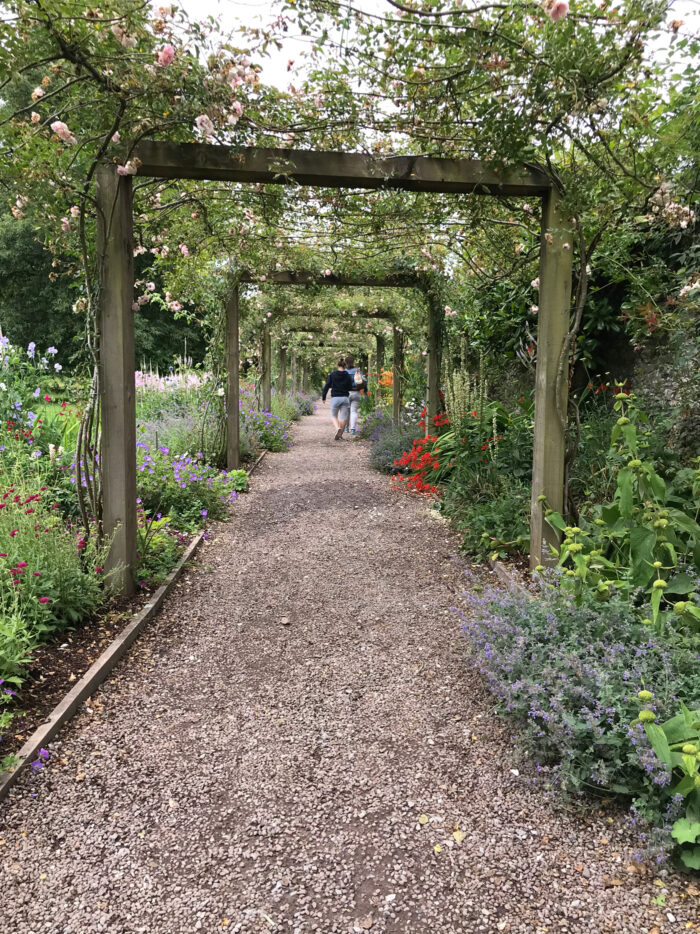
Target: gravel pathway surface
x: 295, y: 742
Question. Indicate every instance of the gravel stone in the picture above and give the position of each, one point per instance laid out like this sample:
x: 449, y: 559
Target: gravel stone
x: 260, y: 760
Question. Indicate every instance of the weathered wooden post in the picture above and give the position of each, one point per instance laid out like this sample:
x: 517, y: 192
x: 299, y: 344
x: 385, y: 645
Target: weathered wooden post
x: 551, y: 375
x: 233, y: 447
x: 381, y: 352
x: 282, y: 378
x: 293, y: 370
x: 115, y: 251
x: 434, y: 361
x: 266, y: 369
x: 397, y: 336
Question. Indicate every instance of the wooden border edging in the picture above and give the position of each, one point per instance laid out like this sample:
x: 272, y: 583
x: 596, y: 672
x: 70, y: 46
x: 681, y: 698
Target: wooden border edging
x: 99, y: 669
x: 507, y: 579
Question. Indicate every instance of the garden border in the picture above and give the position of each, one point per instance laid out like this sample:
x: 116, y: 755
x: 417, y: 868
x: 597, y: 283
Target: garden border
x: 508, y: 579
x: 100, y: 668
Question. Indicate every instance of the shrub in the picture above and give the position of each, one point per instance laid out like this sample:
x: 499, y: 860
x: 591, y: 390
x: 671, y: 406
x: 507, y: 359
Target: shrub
x: 570, y: 674
x: 48, y: 570
x: 500, y: 524
x: 390, y: 445
x: 374, y: 424
x: 183, y: 487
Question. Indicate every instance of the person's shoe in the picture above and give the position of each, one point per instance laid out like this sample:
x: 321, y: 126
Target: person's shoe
x: 352, y: 431
x: 339, y: 435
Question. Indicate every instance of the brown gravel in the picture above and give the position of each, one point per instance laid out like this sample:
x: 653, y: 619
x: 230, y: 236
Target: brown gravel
x: 262, y: 760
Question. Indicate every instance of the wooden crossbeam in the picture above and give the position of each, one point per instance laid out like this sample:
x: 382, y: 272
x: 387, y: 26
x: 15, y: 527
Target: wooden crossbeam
x: 335, y: 169
x: 307, y: 277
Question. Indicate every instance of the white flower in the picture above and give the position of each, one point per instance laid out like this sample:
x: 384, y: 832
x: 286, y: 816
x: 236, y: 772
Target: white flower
x: 220, y: 391
x: 535, y: 283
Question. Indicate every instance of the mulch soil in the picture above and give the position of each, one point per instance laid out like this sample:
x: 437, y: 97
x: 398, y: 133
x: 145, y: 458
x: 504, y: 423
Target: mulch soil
x: 299, y: 744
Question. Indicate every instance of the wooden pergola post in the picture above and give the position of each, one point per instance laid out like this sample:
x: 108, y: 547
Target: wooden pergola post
x: 434, y: 362
x: 293, y: 370
x: 381, y: 351
x: 397, y: 336
x: 266, y: 369
x: 233, y: 447
x: 115, y: 250
x: 551, y: 375
x: 282, y: 378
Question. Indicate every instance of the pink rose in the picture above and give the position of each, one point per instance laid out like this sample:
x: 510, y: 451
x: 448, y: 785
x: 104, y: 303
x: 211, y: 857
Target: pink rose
x: 165, y: 55
x: 204, y: 125
x: 558, y: 10
x: 35, y: 117
x: 63, y: 133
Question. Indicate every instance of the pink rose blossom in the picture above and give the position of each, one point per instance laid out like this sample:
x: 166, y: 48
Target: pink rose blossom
x: 204, y: 125
x: 35, y: 117
x: 75, y: 211
x: 37, y: 93
x: 65, y: 224
x: 165, y: 55
x: 121, y: 170
x: 116, y: 137
x: 184, y: 250
x: 558, y: 10
x: 63, y: 133
x: 237, y: 108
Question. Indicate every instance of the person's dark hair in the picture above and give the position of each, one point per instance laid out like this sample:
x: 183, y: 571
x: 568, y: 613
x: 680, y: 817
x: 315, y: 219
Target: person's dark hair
x: 341, y: 362
x: 349, y: 361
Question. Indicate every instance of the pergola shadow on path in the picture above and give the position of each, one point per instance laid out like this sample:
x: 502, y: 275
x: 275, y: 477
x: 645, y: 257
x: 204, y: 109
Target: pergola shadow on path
x: 307, y: 277
x: 324, y: 170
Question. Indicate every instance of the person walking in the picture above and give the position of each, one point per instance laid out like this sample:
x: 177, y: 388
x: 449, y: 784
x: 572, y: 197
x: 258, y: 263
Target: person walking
x: 359, y: 385
x: 340, y: 385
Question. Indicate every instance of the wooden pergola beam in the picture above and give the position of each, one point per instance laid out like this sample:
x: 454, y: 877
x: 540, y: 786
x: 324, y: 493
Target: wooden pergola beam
x: 307, y: 277
x: 334, y: 169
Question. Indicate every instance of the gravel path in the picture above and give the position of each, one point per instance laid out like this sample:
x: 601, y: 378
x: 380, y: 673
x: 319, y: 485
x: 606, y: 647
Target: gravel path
x: 263, y: 759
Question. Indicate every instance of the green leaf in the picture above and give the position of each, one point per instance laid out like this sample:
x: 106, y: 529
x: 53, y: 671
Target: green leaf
x: 625, y: 492
x: 685, y: 831
x: 681, y: 583
x: 691, y: 857
x: 679, y: 729
x: 555, y: 520
x: 642, y: 544
x: 684, y: 523
x: 659, y: 743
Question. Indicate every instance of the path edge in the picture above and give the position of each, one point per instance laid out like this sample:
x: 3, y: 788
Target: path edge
x: 100, y: 668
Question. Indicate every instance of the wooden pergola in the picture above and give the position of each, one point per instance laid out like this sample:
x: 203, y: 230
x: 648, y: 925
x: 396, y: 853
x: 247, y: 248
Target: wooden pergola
x: 325, y: 170
x: 309, y: 277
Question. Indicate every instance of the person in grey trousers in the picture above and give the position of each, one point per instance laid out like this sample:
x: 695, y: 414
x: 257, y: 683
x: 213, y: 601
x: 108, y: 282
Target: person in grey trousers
x: 340, y: 385
x: 359, y: 385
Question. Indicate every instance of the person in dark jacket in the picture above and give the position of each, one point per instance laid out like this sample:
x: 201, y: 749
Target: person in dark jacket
x: 340, y: 385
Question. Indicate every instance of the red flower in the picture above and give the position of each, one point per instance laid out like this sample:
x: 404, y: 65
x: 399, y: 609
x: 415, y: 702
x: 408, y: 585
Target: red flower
x: 13, y: 533
x: 44, y: 600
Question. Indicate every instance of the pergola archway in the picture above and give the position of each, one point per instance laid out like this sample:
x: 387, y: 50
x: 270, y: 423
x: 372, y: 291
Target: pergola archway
x: 308, y: 277
x: 325, y: 170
